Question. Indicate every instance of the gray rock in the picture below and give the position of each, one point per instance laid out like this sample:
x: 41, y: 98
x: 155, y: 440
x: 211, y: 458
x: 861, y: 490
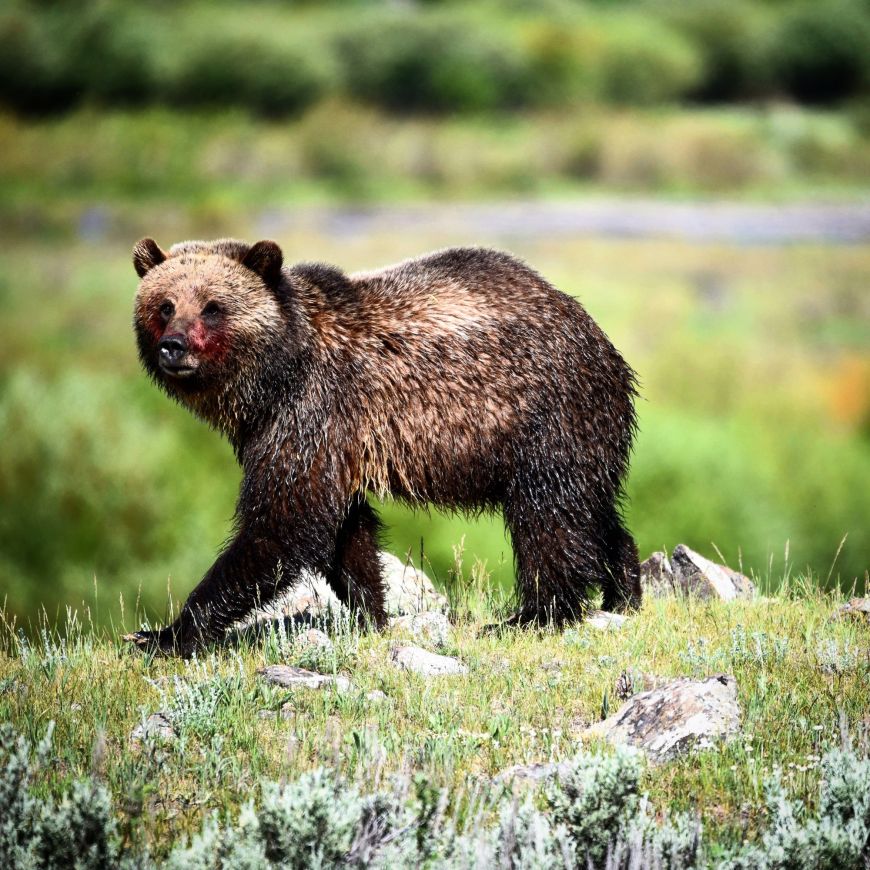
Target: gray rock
x: 286, y: 675
x: 657, y: 577
x: 678, y: 717
x: 604, y: 621
x: 431, y: 627
x: 425, y: 663
x: 699, y: 576
x: 376, y: 696
x: 855, y: 608
x: 156, y: 727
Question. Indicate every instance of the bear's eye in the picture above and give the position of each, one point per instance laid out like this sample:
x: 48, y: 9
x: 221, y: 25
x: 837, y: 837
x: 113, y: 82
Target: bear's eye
x: 212, y: 309
x: 166, y: 310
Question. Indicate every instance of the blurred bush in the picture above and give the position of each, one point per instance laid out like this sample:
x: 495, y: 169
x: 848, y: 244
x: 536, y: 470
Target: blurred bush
x: 821, y: 52
x: 645, y: 63
x: 97, y: 486
x: 275, y: 59
x: 410, y: 62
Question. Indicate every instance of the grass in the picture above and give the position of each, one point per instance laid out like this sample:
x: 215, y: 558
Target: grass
x: 802, y: 682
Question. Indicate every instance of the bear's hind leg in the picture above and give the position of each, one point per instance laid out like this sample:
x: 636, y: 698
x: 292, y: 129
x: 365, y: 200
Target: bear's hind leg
x: 622, y: 589
x: 558, y: 559
x: 356, y: 575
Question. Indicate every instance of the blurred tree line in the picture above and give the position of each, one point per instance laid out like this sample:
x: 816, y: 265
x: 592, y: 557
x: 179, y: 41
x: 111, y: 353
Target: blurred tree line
x: 277, y: 58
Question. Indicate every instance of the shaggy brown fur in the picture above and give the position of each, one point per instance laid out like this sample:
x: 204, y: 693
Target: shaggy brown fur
x: 461, y: 379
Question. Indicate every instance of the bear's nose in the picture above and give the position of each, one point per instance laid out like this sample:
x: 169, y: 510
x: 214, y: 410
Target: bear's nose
x: 172, y: 348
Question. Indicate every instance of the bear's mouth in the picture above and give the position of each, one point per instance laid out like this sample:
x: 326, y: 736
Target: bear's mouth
x: 177, y: 371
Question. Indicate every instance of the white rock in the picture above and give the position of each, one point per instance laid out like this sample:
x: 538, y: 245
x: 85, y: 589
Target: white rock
x: 675, y: 718
x: 605, y: 621
x: 286, y: 675
x: 156, y: 727
x: 431, y: 627
x: 409, y: 590
x: 699, y: 576
x: 427, y: 664
x: 376, y: 696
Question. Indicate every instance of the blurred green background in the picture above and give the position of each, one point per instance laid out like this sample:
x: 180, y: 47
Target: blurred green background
x: 361, y: 133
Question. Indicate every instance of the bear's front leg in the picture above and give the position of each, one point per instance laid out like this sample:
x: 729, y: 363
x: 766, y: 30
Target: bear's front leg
x: 256, y: 566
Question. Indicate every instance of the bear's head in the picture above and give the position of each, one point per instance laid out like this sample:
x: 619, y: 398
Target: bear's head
x: 206, y: 312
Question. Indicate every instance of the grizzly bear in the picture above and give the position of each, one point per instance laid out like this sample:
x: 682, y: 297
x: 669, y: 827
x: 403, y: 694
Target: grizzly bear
x: 461, y: 379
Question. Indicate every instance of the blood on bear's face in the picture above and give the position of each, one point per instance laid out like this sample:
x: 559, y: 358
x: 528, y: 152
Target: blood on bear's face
x: 202, y: 311
x: 187, y: 334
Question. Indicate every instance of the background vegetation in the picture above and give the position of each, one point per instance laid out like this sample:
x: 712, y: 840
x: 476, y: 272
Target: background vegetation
x: 287, y: 120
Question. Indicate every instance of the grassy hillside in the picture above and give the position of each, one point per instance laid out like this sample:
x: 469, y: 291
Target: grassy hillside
x: 802, y: 682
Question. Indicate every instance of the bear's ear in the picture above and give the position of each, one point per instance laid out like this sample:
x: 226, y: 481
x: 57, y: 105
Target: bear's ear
x: 265, y: 258
x: 146, y: 255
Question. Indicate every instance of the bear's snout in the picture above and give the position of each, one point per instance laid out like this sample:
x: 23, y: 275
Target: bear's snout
x: 171, y: 350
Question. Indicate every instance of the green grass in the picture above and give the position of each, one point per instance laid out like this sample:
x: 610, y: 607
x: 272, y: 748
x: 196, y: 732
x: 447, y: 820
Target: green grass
x: 802, y: 679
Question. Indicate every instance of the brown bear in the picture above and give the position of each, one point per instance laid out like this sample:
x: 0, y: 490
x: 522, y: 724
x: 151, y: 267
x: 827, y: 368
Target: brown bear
x: 461, y: 379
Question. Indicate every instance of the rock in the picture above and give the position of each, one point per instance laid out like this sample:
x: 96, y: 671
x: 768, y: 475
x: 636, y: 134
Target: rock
x: 286, y: 675
x: 681, y: 715
x: 376, y: 696
x: 531, y: 773
x: 156, y: 727
x: 855, y: 608
x: 657, y: 577
x: 427, y: 664
x: 431, y: 627
x: 699, y: 576
x: 409, y: 590
x: 267, y: 714
x: 314, y: 638
x: 604, y: 621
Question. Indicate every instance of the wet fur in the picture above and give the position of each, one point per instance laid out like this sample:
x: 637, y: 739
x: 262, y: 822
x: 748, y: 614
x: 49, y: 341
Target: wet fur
x: 461, y: 379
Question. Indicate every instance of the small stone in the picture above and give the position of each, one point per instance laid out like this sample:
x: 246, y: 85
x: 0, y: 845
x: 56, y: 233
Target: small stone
x: 431, y: 627
x: 657, y: 577
x: 314, y: 638
x: 156, y: 727
x: 680, y: 716
x: 267, y: 714
x: 75, y: 707
x: 855, y: 608
x: 376, y: 696
x: 699, y: 576
x: 425, y: 663
x: 286, y: 675
x: 555, y: 666
x: 604, y: 621
x: 288, y: 711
